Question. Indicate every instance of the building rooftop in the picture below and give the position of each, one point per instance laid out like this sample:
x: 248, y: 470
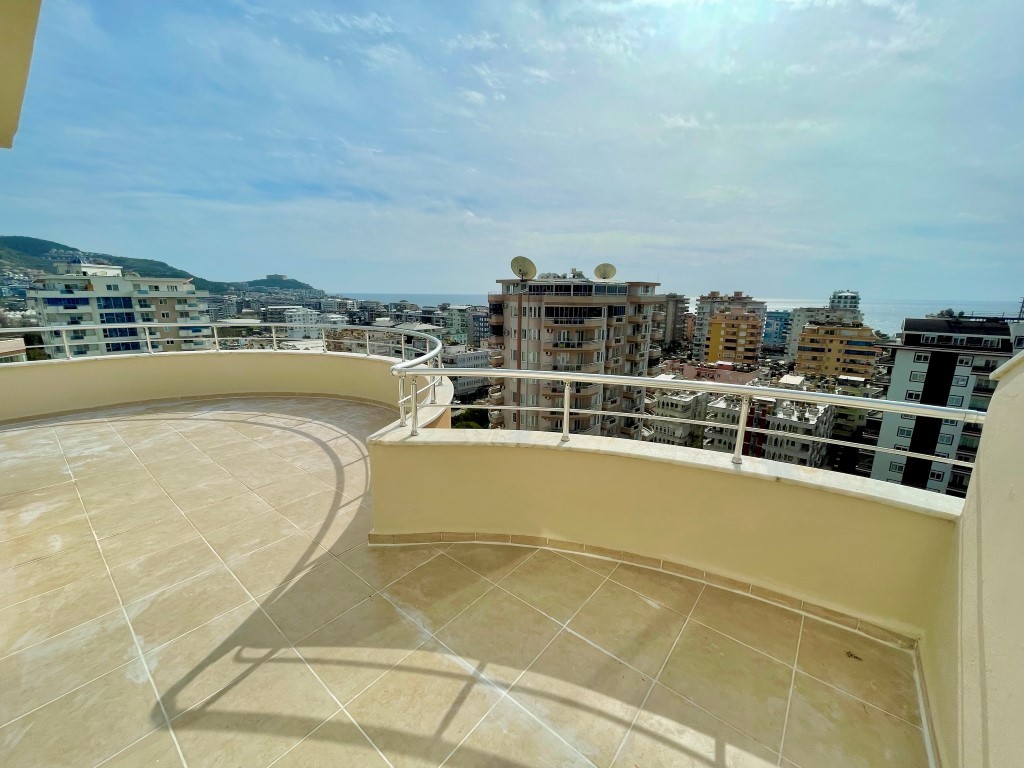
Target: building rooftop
x: 190, y: 583
x: 966, y: 326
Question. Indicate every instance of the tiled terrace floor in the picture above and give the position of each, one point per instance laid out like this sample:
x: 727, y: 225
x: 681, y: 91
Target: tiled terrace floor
x: 205, y: 565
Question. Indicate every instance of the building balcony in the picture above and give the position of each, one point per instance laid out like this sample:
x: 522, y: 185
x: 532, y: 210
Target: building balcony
x: 187, y: 568
x: 657, y: 335
x: 573, y: 322
x: 496, y: 395
x: 496, y: 318
x: 657, y: 316
x: 638, y: 318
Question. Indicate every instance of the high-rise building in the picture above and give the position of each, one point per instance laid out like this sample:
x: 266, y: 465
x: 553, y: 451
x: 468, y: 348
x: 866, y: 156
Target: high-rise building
x: 83, y: 294
x: 677, y: 307
x: 560, y: 323
x: 799, y: 420
x: 479, y: 327
x: 939, y: 361
x: 457, y: 323
x: 844, y: 300
x: 303, y: 319
x: 462, y: 357
x: 678, y: 405
x: 802, y: 316
x: 715, y: 303
x: 734, y: 337
x: 777, y: 323
x: 837, y: 350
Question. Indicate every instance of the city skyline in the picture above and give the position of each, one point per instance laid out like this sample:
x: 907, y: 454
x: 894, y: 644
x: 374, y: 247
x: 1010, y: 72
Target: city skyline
x: 789, y: 147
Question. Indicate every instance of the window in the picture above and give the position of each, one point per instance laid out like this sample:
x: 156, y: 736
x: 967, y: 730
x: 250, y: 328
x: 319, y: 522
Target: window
x: 901, y: 448
x: 913, y: 396
x: 113, y: 302
x: 965, y: 360
x: 941, y: 455
x: 908, y: 417
x: 950, y: 422
x: 945, y: 439
x: 960, y: 341
x: 895, y: 466
x: 917, y: 375
x: 111, y: 287
x: 165, y: 315
x: 905, y: 431
x: 956, y: 401
x: 117, y: 317
x: 960, y: 381
x: 928, y: 338
x: 936, y: 474
x: 922, y: 357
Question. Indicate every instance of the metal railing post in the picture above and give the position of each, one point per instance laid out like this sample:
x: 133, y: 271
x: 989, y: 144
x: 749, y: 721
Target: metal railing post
x: 565, y: 412
x: 415, y: 408
x: 401, y: 401
x: 403, y: 347
x: 67, y: 348
x: 273, y: 338
x: 216, y: 339
x: 436, y: 362
x: 741, y: 431
x: 149, y: 340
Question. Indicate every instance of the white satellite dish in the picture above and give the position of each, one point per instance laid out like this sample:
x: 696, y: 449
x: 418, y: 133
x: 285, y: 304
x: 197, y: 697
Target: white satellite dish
x: 604, y: 271
x: 523, y: 268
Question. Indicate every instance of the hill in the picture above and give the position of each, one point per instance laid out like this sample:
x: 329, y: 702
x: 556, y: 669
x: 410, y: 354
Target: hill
x: 17, y: 253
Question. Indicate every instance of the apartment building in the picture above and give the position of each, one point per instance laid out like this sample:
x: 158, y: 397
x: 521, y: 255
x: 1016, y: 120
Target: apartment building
x: 571, y: 323
x: 844, y: 300
x: 800, y: 421
x: 803, y: 316
x: 12, y: 351
x: 714, y: 303
x: 304, y: 319
x: 463, y: 357
x: 678, y: 405
x: 777, y: 323
x: 83, y: 294
x: 837, y: 350
x: 479, y: 327
x: 677, y: 309
x: 458, y: 323
x: 940, y: 361
x: 734, y: 337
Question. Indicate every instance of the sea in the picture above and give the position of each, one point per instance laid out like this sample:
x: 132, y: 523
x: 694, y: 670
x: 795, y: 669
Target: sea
x: 885, y: 316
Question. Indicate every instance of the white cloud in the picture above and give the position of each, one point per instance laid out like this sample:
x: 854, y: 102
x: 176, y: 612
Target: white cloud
x: 481, y: 41
x: 473, y: 97
x: 333, y: 23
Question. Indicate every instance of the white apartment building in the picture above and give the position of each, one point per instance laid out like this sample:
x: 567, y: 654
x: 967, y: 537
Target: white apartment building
x: 940, y: 361
x: 12, y: 351
x: 844, y: 300
x: 799, y: 420
x: 678, y: 405
x: 463, y: 357
x: 560, y: 323
x: 457, y: 323
x: 803, y: 316
x: 715, y: 303
x: 83, y: 294
x: 677, y: 307
x: 304, y: 318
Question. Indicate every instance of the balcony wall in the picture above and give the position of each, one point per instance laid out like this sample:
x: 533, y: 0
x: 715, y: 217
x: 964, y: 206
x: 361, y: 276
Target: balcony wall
x: 51, y: 387
x: 857, y: 546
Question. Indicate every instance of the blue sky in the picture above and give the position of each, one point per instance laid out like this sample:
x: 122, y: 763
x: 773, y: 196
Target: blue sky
x: 782, y: 147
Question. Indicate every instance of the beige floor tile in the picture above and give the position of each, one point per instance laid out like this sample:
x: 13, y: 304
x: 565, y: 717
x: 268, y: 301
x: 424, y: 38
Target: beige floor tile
x: 163, y: 569
x: 39, y: 576
x: 84, y: 726
x: 742, y: 686
x: 584, y: 695
x: 354, y: 483
x: 675, y: 592
x: 279, y: 562
x: 36, y: 675
x: 552, y: 584
x: 249, y: 535
x: 499, y: 635
x: 218, y: 514
x: 190, y: 476
x: 258, y: 472
x: 147, y: 540
x: 114, y: 521
x: 672, y: 733
x: 39, y: 474
x: 30, y: 511
x: 360, y: 645
x: 344, y: 531
x: 44, y: 543
x: 42, y: 617
x: 307, y: 603
x: 293, y: 489
x: 183, y: 458
x: 207, y: 492
x: 316, y: 508
x: 155, y: 750
x: 379, y: 566
x: 336, y: 743
x: 877, y: 673
x: 492, y: 561
x: 769, y: 628
x: 829, y: 728
x: 112, y: 473
x: 106, y: 499
x: 509, y: 738
x: 245, y: 447
x: 629, y: 626
x: 419, y: 711
x: 257, y: 720
x: 604, y: 567
x: 436, y: 591
x: 217, y: 654
x: 162, y: 616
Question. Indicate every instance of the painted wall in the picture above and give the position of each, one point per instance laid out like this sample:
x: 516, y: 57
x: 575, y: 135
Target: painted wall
x: 860, y: 547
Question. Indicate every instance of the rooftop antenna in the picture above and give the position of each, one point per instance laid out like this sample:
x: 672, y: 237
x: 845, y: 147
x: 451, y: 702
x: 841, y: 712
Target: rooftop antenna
x: 523, y: 268
x: 604, y: 271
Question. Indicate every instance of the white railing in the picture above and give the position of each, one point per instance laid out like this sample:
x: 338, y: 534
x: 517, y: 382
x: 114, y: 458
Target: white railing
x: 746, y: 395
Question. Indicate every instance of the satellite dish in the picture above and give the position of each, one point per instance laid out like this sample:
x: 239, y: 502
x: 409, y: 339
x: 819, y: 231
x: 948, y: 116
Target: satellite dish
x: 523, y: 268
x: 604, y: 271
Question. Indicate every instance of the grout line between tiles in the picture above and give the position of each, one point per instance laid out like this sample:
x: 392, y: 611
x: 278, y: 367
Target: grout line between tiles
x: 792, y: 685
x: 131, y: 627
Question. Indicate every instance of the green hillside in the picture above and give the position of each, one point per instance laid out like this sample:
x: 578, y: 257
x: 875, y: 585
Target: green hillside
x: 18, y: 253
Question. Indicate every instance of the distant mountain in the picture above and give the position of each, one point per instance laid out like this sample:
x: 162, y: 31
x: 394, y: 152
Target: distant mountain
x: 32, y: 253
